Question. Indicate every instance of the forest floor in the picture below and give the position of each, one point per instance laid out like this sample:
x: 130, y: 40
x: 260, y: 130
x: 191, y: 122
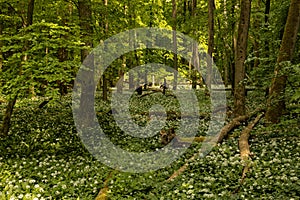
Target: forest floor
x: 43, y: 158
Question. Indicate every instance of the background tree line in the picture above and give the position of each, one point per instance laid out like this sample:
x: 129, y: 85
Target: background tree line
x: 253, y: 43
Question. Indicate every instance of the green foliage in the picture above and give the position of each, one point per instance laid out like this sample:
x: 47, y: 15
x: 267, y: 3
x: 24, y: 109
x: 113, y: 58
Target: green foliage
x: 43, y: 158
x: 40, y: 59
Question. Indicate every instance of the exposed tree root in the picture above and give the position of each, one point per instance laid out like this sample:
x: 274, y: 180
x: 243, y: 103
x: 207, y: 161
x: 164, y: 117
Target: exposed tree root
x: 102, y: 195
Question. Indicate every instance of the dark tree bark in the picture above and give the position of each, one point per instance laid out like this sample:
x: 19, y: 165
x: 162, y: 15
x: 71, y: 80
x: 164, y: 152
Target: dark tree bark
x: 267, y: 11
x: 241, y: 51
x: 185, y: 5
x: 30, y: 12
x: 276, y: 102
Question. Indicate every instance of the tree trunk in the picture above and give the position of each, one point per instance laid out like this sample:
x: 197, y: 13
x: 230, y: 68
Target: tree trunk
x: 30, y: 12
x: 104, y: 88
x: 241, y: 51
x: 267, y: 13
x: 174, y: 16
x: 275, y: 102
x: 85, y: 17
x: 226, y: 56
x: 63, y: 52
x: 131, y: 80
x: 1, y: 42
x: 233, y: 45
x: 88, y: 84
x: 104, y: 79
x: 211, y: 6
x: 7, y: 117
x: 10, y: 106
x: 120, y: 84
x: 195, y: 57
x: 196, y: 65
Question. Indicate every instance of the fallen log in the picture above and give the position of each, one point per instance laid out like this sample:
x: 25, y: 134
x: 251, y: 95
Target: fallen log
x: 234, y: 123
x: 244, y: 145
x: 231, y: 125
x: 222, y: 134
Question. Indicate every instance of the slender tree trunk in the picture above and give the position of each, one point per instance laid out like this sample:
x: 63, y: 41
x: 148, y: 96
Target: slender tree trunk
x: 256, y: 43
x: 211, y: 5
x: 233, y: 47
x: 11, y: 103
x: 185, y: 5
x: 195, y: 56
x: 267, y: 13
x: 104, y: 87
x: 62, y: 51
x: 1, y: 42
x: 104, y: 77
x: 30, y: 9
x: 131, y: 80
x: 120, y: 84
x: 174, y: 16
x: 132, y: 45
x: 7, y: 117
x: 227, y: 54
x: 241, y: 51
x: 275, y: 102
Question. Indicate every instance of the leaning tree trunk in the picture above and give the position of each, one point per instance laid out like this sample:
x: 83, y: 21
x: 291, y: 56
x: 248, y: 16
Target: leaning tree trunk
x: 241, y: 51
x: 276, y: 103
